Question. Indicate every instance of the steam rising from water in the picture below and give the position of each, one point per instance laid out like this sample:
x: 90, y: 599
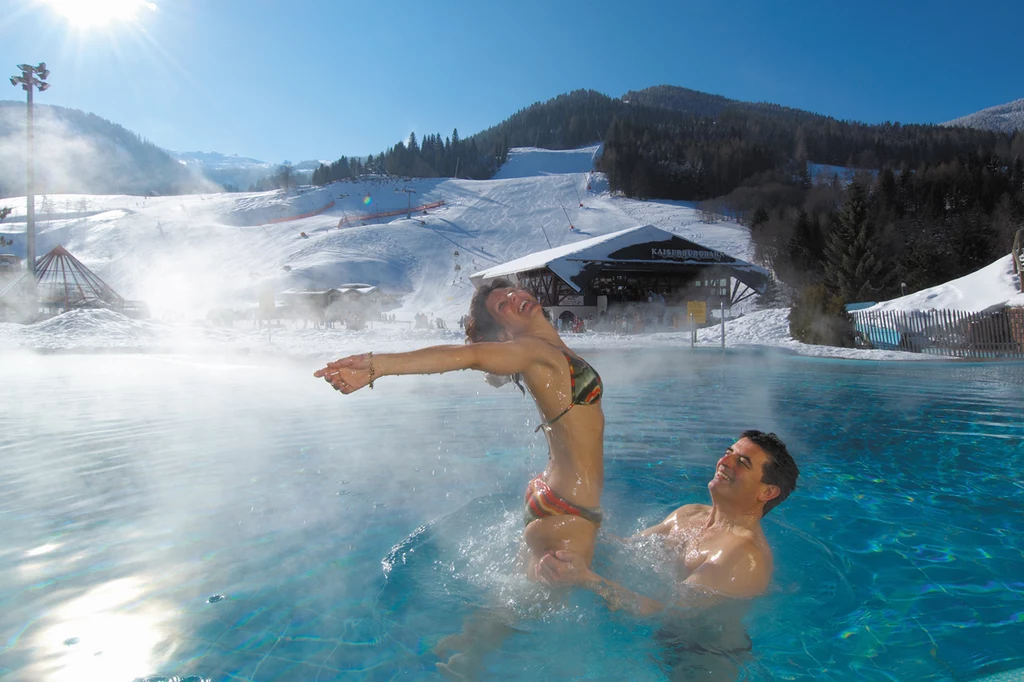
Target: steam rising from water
x: 81, y: 153
x: 135, y: 487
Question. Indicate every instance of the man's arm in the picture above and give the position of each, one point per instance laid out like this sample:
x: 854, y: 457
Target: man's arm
x: 566, y: 567
x: 741, y: 571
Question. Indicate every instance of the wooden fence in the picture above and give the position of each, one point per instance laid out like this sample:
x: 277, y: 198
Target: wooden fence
x: 953, y: 333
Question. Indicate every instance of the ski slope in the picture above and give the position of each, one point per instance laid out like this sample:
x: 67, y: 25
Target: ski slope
x: 185, y: 255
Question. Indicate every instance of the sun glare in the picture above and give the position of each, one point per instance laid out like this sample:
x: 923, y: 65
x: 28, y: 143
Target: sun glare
x: 94, y: 13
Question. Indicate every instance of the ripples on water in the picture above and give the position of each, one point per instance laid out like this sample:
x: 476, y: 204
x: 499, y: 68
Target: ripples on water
x: 134, y: 489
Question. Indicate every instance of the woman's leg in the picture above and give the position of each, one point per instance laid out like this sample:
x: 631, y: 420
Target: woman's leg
x: 484, y: 631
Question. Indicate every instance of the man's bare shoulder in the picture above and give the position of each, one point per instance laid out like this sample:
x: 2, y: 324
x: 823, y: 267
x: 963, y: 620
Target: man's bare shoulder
x: 688, y: 511
x: 683, y: 516
x: 741, y: 567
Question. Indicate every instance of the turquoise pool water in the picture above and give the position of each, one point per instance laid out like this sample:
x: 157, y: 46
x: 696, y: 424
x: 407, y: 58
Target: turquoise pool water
x: 168, y: 516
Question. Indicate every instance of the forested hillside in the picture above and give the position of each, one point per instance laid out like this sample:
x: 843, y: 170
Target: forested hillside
x: 81, y: 153
x: 931, y: 203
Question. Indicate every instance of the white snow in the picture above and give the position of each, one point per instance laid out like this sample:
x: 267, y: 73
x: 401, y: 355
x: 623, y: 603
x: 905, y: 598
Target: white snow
x: 527, y: 162
x: 993, y: 285
x: 188, y: 255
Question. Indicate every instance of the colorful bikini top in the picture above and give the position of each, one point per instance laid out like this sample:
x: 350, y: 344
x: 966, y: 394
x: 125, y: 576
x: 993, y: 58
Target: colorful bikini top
x: 586, y: 386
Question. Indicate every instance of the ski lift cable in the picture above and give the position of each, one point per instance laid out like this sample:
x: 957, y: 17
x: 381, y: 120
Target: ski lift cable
x: 463, y: 246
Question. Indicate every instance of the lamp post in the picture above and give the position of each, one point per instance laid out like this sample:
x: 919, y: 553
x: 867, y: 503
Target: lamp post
x: 31, y: 77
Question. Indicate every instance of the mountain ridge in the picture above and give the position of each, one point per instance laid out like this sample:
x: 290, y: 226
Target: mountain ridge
x: 1002, y: 118
x: 78, y: 152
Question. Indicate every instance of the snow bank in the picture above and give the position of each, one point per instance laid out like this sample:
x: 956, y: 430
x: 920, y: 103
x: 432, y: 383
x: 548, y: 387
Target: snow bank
x: 994, y: 284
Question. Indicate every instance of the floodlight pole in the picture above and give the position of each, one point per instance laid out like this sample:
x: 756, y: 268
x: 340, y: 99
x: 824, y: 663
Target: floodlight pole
x: 31, y: 77
x: 30, y: 189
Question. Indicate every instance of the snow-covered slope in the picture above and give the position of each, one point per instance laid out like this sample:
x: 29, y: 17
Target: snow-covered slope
x: 187, y: 254
x: 1004, y: 118
x: 525, y: 162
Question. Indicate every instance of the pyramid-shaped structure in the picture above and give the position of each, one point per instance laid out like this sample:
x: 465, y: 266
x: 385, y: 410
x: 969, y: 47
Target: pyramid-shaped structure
x: 62, y: 281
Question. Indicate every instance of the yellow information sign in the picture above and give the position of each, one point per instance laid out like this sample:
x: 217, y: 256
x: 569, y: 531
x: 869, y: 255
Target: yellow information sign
x: 697, y: 311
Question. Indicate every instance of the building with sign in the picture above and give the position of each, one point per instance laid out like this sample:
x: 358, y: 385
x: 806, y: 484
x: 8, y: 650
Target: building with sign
x: 639, y: 269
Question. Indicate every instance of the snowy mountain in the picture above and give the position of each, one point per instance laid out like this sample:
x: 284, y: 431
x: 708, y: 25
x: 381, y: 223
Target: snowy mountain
x: 218, y: 161
x: 77, y: 152
x: 240, y: 172
x: 1005, y: 118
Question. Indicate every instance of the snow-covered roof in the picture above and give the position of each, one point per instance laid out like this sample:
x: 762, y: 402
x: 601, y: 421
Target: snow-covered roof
x: 644, y: 244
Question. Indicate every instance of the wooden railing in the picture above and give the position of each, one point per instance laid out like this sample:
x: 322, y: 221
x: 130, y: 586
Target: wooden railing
x: 952, y: 333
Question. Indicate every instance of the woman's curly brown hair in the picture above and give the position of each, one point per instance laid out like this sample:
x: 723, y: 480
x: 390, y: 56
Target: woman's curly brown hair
x: 481, y: 326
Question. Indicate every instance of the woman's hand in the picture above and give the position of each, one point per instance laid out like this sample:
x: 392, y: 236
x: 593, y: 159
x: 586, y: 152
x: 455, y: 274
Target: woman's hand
x: 562, y: 568
x: 348, y: 374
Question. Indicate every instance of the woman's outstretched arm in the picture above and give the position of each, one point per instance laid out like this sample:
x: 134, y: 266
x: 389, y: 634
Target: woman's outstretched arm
x: 510, y: 357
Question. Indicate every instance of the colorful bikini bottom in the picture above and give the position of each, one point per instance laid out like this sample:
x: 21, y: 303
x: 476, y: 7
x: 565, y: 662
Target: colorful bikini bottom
x: 542, y: 501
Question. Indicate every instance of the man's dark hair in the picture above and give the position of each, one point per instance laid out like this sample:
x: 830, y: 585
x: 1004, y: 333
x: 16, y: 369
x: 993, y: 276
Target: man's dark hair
x: 780, y: 469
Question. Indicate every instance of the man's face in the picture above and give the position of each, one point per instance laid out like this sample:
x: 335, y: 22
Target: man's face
x: 738, y: 474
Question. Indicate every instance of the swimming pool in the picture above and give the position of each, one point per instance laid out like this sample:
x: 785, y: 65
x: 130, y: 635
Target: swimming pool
x: 185, y: 516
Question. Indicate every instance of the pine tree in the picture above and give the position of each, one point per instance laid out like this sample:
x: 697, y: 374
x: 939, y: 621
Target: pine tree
x: 854, y: 270
x: 805, y: 248
x: 759, y: 218
x: 888, y: 193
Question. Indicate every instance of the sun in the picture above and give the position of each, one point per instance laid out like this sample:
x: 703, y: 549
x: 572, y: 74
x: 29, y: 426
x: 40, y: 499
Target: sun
x: 93, y: 13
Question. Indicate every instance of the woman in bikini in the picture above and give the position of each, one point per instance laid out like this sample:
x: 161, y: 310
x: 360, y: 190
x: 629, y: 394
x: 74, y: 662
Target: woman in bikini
x: 508, y: 336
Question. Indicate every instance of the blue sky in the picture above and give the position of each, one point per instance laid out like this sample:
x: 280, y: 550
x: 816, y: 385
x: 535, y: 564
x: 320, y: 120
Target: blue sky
x: 305, y: 79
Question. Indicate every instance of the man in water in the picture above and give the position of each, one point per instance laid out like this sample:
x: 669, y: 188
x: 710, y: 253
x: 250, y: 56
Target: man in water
x: 720, y: 552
